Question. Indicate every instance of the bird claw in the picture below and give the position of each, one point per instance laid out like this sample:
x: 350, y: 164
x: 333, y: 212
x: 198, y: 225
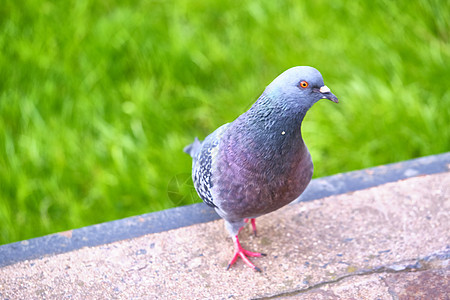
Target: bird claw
x: 241, y: 252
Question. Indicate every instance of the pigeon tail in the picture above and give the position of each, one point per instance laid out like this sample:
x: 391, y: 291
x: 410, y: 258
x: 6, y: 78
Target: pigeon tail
x: 192, y: 149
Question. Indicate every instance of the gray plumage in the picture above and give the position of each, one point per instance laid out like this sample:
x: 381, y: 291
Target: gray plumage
x: 259, y: 162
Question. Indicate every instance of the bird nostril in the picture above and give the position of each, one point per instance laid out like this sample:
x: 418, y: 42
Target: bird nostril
x: 324, y: 89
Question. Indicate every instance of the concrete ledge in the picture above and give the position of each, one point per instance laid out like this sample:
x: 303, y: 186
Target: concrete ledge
x: 384, y: 241
x: 200, y: 213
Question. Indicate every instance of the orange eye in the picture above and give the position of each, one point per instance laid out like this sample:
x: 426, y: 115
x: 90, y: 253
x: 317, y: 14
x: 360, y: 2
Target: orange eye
x: 303, y: 84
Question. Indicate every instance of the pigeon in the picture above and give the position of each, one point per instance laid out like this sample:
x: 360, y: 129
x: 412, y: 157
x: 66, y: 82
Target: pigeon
x: 259, y: 162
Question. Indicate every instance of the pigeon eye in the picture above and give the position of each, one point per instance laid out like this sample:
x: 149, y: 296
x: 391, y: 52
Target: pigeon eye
x: 303, y: 84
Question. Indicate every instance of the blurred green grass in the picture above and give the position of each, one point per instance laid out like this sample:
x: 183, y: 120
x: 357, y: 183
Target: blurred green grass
x: 98, y: 98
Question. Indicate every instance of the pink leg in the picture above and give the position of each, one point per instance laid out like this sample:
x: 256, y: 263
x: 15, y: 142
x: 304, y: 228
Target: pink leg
x: 239, y: 251
x: 253, y: 224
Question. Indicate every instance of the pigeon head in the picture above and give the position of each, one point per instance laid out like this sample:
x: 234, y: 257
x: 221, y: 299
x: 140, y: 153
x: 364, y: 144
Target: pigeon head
x: 284, y: 103
x: 299, y: 86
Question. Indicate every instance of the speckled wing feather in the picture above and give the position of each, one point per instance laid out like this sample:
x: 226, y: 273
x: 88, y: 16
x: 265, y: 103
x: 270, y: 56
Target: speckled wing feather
x: 203, y: 154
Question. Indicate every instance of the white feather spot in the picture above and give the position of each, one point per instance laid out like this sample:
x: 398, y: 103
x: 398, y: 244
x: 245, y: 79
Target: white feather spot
x: 283, y: 133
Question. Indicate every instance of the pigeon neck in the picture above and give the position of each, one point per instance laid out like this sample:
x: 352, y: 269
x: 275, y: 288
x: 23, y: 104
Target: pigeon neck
x: 268, y: 129
x: 277, y: 120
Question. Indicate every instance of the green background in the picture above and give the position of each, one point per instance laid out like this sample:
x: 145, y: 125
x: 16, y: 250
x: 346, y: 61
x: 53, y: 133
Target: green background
x: 98, y: 98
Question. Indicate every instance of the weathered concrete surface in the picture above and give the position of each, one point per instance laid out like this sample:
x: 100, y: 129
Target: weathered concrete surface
x: 136, y: 226
x: 387, y: 242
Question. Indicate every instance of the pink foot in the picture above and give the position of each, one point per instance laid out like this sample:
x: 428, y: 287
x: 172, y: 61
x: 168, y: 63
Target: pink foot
x: 239, y: 251
x: 253, y: 224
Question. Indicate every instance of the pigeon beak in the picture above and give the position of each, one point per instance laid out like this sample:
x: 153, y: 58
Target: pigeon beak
x: 327, y: 94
